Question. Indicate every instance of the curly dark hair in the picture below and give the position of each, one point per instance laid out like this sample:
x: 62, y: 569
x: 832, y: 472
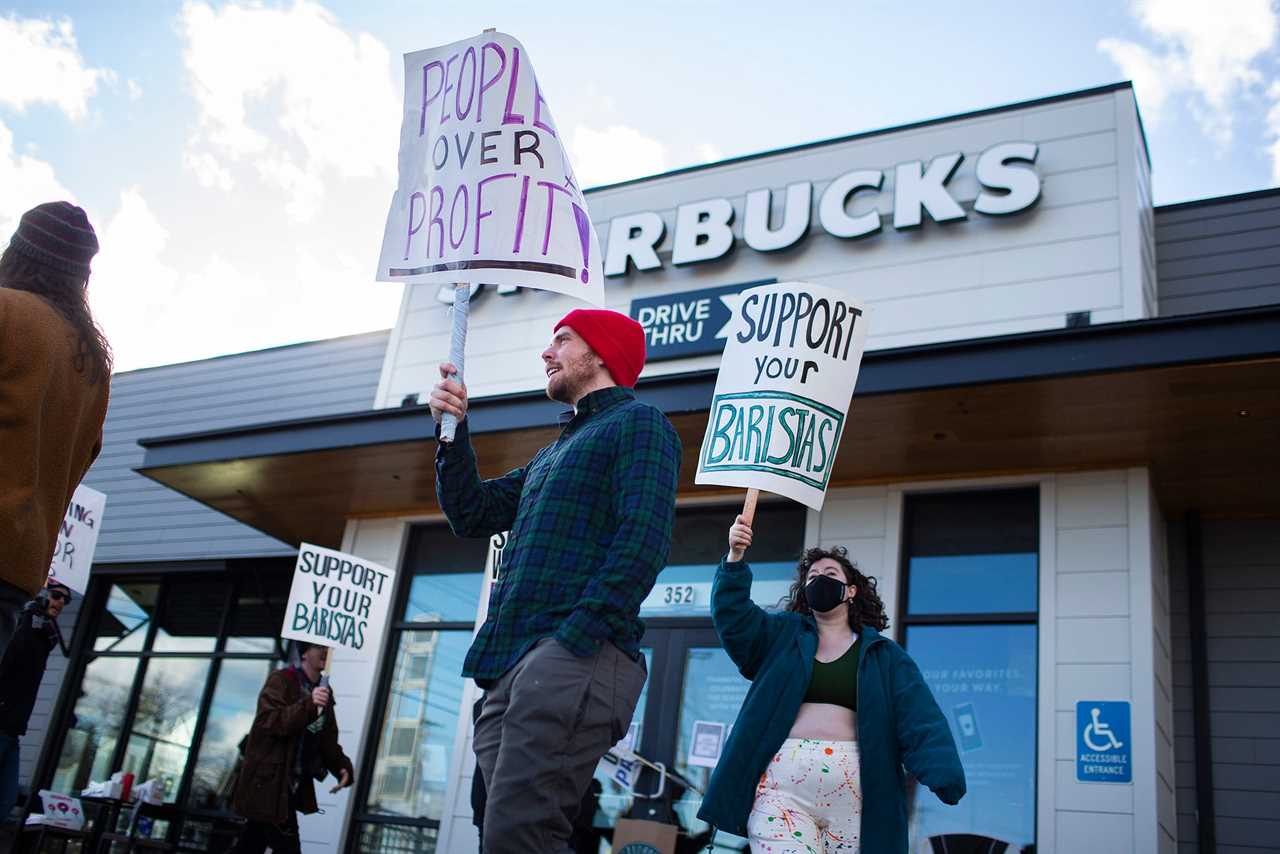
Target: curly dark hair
x: 70, y: 296
x: 866, y: 609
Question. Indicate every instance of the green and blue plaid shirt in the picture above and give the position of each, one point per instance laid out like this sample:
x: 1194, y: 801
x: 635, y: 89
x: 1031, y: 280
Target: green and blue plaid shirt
x: 590, y: 519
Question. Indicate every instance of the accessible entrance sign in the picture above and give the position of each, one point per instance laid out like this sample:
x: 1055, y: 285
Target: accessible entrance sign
x: 336, y: 599
x: 783, y: 391
x: 1103, y: 751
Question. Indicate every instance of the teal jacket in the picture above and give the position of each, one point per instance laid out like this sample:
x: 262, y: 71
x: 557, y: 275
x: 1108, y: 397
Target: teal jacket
x: 899, y: 722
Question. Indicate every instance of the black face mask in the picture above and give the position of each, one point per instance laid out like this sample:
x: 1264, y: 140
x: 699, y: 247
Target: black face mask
x: 824, y: 592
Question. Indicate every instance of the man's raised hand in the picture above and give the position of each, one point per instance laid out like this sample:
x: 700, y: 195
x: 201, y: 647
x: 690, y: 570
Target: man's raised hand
x: 448, y: 395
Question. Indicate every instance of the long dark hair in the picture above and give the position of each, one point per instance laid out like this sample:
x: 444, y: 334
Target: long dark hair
x: 866, y: 609
x: 69, y: 295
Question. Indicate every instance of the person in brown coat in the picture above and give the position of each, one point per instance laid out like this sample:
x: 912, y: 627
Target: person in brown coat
x: 294, y: 739
x: 55, y: 369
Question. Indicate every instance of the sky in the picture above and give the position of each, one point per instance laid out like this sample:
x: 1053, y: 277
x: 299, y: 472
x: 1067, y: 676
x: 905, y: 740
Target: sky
x: 238, y: 158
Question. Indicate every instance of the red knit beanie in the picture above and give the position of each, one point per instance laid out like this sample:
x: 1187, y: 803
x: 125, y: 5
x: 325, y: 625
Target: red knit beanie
x: 616, y: 338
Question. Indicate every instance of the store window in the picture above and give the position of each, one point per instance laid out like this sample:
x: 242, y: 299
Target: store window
x: 969, y: 618
x: 169, y: 678
x: 402, y: 793
x: 699, y: 539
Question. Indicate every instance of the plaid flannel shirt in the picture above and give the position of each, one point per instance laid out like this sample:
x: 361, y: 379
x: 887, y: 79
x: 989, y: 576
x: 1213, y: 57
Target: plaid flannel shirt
x: 590, y: 519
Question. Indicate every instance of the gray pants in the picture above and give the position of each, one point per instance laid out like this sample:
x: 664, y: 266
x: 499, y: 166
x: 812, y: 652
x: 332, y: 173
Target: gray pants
x: 541, y: 732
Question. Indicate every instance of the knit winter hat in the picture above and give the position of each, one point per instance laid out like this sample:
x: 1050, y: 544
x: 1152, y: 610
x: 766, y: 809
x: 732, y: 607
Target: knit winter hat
x: 616, y: 338
x: 57, y: 234
x: 55, y: 584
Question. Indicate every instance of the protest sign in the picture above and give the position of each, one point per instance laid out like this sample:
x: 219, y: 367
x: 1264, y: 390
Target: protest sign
x: 78, y: 538
x: 783, y: 391
x: 336, y: 599
x: 486, y: 192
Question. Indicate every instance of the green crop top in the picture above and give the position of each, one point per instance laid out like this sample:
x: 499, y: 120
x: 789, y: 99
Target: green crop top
x: 836, y: 682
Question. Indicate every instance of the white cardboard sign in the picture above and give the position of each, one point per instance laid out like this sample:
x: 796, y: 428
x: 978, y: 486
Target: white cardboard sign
x: 783, y: 391
x: 62, y: 810
x: 486, y: 193
x: 336, y: 599
x: 78, y: 538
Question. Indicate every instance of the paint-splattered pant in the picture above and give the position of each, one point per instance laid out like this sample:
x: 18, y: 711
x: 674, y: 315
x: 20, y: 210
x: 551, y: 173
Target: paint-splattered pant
x: 809, y: 800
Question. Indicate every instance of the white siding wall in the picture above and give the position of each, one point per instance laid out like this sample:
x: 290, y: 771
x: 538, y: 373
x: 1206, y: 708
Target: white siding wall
x: 1137, y: 233
x: 866, y: 522
x: 354, y: 676
x: 1110, y: 592
x: 1084, y: 247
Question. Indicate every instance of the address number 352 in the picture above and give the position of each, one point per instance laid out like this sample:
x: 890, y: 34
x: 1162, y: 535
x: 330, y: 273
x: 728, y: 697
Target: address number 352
x: 678, y: 594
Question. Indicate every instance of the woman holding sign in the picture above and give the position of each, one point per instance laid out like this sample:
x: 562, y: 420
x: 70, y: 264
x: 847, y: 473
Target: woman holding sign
x: 836, y: 711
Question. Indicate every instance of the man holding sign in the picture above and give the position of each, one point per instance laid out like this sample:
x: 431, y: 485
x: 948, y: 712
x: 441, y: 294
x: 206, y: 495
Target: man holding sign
x: 294, y: 740
x: 590, y: 520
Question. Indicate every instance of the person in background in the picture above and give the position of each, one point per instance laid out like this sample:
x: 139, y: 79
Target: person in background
x: 21, y: 669
x: 590, y: 519
x: 55, y: 371
x: 293, y: 741
x: 835, y: 713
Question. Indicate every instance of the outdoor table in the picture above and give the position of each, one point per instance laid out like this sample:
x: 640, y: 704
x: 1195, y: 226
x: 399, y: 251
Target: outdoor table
x: 109, y: 836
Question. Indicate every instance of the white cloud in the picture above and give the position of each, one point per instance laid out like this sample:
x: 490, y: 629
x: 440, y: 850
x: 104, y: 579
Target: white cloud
x: 1153, y: 82
x: 40, y: 62
x: 135, y: 91
x: 616, y: 153
x: 155, y: 313
x: 1203, y: 50
x: 710, y: 153
x: 208, y: 171
x: 1273, y: 122
x: 130, y: 286
x: 290, y: 94
x: 26, y: 181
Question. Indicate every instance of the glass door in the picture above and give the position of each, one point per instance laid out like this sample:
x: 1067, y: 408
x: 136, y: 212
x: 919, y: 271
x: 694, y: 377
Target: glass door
x: 685, y: 713
x: 711, y: 693
x: 694, y: 691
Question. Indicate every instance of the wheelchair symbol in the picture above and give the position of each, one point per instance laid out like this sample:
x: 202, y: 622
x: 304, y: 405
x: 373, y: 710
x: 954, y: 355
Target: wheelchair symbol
x: 1106, y: 739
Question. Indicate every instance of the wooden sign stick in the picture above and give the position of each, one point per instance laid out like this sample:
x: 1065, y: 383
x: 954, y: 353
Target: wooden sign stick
x: 749, y: 505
